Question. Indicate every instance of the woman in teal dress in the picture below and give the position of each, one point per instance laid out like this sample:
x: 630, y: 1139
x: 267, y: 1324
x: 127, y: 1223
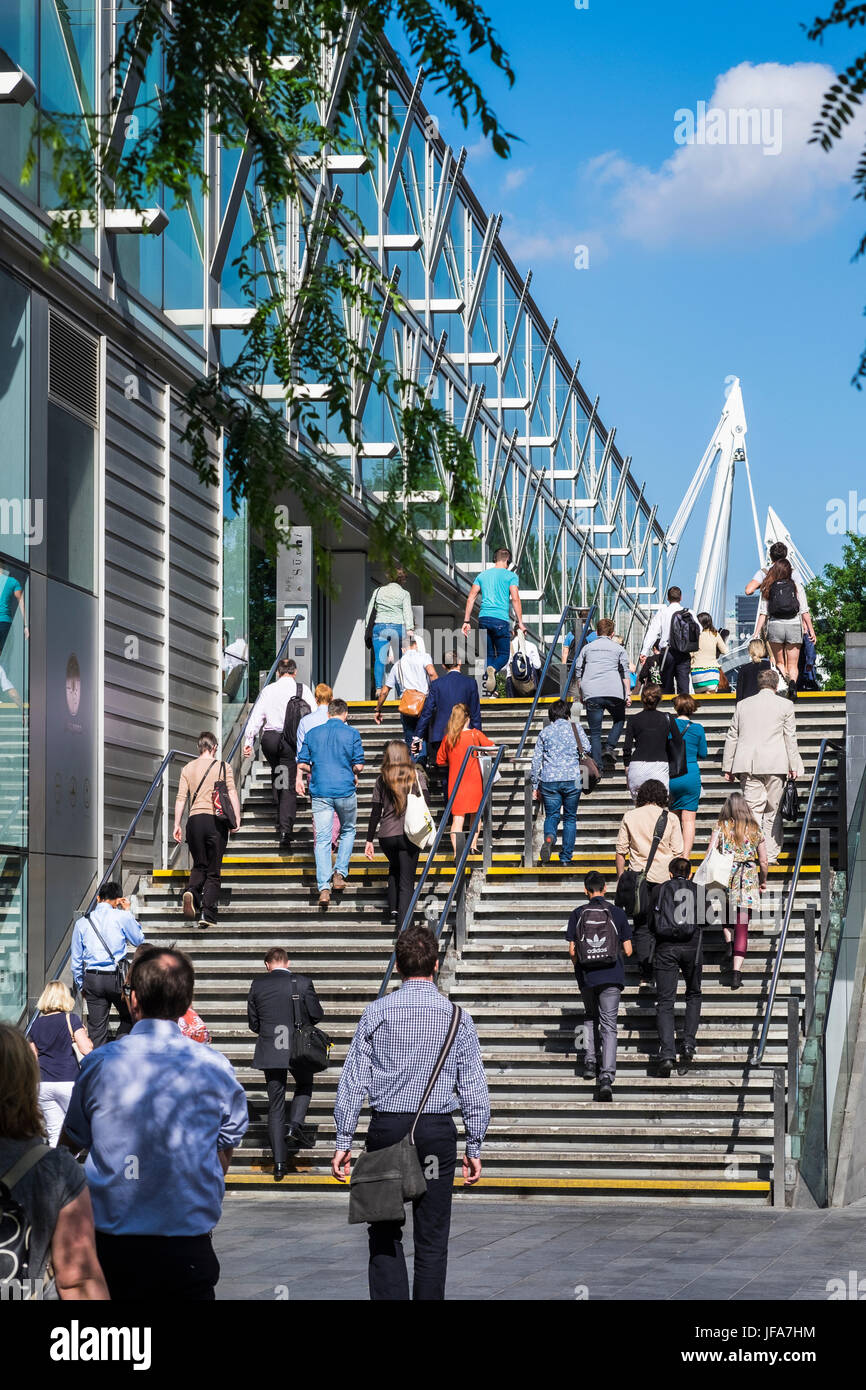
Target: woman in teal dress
x: 685, y: 791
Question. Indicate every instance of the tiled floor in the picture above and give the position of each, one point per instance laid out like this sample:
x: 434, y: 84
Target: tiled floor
x: 285, y: 1247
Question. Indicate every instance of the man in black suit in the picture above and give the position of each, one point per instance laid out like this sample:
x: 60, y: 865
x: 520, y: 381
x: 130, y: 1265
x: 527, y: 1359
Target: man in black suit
x: 270, y: 1014
x: 450, y: 690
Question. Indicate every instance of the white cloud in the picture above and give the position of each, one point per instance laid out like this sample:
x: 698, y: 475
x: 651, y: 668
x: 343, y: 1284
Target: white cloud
x: 530, y: 248
x: 514, y: 179
x: 779, y: 186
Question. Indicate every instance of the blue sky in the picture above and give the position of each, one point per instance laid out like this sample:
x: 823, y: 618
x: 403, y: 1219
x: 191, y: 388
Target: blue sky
x: 703, y: 262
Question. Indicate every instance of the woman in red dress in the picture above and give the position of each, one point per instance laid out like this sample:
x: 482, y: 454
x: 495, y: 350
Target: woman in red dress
x: 452, y: 751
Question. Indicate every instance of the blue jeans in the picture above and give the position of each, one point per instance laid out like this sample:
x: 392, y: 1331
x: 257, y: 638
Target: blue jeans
x: 561, y: 797
x: 410, y: 723
x: 324, y: 807
x: 595, y: 708
x: 383, y: 636
x: 498, y: 641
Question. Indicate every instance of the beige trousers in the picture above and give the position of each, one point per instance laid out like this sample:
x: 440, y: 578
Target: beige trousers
x: 764, y: 795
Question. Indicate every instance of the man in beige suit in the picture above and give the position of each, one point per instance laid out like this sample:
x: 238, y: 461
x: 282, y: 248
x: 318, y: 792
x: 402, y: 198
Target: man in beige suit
x: 761, y: 749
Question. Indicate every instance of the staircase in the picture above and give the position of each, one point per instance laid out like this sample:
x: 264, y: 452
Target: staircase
x: 707, y: 1135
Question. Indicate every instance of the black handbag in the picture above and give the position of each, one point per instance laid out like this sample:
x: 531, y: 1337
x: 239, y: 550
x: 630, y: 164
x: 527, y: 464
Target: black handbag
x: 371, y: 622
x: 121, y: 967
x: 678, y: 764
x: 311, y: 1047
x: 222, y: 802
x: 384, y: 1180
x: 790, y: 801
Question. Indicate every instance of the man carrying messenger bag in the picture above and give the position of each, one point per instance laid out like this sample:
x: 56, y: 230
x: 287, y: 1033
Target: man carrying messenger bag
x: 418, y: 1059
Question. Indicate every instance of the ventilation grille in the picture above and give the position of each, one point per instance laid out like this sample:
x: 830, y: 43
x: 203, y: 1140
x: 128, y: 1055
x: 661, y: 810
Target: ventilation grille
x: 73, y: 368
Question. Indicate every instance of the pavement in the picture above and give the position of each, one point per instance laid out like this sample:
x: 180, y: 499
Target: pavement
x: 284, y: 1247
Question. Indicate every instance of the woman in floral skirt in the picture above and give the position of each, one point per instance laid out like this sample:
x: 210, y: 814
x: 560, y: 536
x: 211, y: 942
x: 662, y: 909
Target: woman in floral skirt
x: 738, y: 833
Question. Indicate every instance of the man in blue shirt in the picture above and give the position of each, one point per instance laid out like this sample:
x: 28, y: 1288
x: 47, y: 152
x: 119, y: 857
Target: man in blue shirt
x: 99, y: 944
x: 333, y: 755
x: 499, y: 589
x: 600, y: 985
x: 161, y: 1116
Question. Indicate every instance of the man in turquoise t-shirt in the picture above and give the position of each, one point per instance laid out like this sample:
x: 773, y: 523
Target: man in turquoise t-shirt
x: 499, y: 588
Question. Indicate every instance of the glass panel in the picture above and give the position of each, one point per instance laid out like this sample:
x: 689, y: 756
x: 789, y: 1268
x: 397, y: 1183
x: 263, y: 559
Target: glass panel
x: 19, y: 516
x: 18, y: 39
x: 69, y: 503
x: 13, y: 936
x: 67, y: 73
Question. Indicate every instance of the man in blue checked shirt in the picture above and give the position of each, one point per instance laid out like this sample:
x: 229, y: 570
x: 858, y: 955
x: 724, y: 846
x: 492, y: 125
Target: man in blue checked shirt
x: 391, y: 1059
x: 94, y: 962
x: 557, y: 777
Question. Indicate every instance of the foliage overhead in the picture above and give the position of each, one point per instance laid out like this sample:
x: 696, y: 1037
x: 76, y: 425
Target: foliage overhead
x: 219, y: 77
x: 837, y: 111
x: 837, y: 603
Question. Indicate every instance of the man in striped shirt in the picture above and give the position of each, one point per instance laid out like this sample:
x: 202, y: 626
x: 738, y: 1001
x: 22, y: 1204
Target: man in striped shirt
x: 391, y: 1058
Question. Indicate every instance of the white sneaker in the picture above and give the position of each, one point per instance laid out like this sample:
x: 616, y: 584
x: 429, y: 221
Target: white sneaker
x: 490, y: 681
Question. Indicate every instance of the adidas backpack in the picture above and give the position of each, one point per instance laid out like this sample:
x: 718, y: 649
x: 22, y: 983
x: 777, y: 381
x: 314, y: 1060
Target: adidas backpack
x: 597, y: 942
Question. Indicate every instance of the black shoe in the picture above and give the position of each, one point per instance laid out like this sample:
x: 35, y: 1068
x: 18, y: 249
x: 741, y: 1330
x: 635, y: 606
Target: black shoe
x: 605, y: 1089
x: 736, y: 981
x: 792, y: 690
x: 685, y: 1061
x: 665, y: 1067
x: 729, y: 950
x: 590, y: 1071
x: 608, y: 763
x: 279, y: 1172
x: 546, y: 849
x: 286, y: 843
x: 293, y: 1139
x: 306, y: 1136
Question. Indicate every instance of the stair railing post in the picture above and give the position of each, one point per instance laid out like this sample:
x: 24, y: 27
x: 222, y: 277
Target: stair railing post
x: 793, y: 1058
x: 779, y: 1137
x: 809, y: 974
x: 487, y: 840
x: 460, y: 903
x: 528, y: 828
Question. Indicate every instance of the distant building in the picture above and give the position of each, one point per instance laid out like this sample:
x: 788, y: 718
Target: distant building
x: 745, y: 614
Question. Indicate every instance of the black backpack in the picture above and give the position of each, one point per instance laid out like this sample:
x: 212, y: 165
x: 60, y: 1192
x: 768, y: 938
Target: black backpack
x: 295, y: 711
x: 676, y: 911
x: 685, y: 634
x: 15, y: 1230
x: 782, y: 601
x: 597, y: 942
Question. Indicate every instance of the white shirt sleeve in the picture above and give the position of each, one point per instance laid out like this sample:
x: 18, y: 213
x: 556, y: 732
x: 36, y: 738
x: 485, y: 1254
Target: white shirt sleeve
x: 653, y: 634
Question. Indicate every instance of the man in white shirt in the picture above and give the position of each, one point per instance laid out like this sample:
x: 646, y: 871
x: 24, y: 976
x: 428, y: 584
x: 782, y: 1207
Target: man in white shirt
x: 266, y: 721
x: 414, y: 671
x: 675, y: 663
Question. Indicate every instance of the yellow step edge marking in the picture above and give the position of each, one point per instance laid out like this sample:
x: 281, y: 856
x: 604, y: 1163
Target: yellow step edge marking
x: 573, y: 1184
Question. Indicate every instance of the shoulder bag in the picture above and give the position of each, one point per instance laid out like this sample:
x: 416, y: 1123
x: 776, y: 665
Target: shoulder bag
x: 790, y: 801
x: 311, y: 1047
x: 121, y: 967
x: 678, y: 764
x: 411, y: 701
x: 384, y: 1180
x: 222, y: 802
x: 370, y: 624
x: 79, y: 1055
x: 715, y: 867
x: 632, y: 890
x: 418, y: 823
x: 591, y: 776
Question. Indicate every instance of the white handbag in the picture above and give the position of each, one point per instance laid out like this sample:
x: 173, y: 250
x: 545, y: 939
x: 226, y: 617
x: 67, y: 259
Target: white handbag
x: 716, y: 868
x: 418, y: 824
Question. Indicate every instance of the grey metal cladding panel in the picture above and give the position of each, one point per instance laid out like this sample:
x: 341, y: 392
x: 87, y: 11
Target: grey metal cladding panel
x: 132, y: 489
x: 145, y: 595
x: 191, y: 596
x: 134, y: 527
x: 123, y: 618
x: 128, y: 441
x: 129, y: 381
x: 140, y: 560
x: 137, y: 680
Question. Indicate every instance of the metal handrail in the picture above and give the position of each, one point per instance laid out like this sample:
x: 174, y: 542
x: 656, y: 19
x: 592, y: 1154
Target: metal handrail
x: 268, y: 678
x: 476, y: 751
x: 758, y: 1055
x: 546, y: 667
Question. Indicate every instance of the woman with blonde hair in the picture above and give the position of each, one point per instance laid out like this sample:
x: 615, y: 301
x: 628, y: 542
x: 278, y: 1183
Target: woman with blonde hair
x: 452, y: 750
x: 399, y: 778
x: 46, y: 1183
x: 747, y: 676
x: 738, y: 833
x: 52, y: 1035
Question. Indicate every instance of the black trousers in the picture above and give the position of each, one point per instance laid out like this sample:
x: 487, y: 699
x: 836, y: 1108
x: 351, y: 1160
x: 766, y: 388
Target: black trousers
x: 283, y: 775
x: 207, y: 839
x: 676, y: 670
x: 671, y: 958
x: 402, y: 858
x: 436, y: 1143
x: 275, y: 1080
x: 158, y: 1269
x: 644, y: 941
x: 436, y: 774
x: 100, y: 992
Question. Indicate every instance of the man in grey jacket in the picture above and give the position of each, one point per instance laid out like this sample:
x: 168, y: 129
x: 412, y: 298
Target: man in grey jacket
x: 761, y: 749
x: 602, y: 677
